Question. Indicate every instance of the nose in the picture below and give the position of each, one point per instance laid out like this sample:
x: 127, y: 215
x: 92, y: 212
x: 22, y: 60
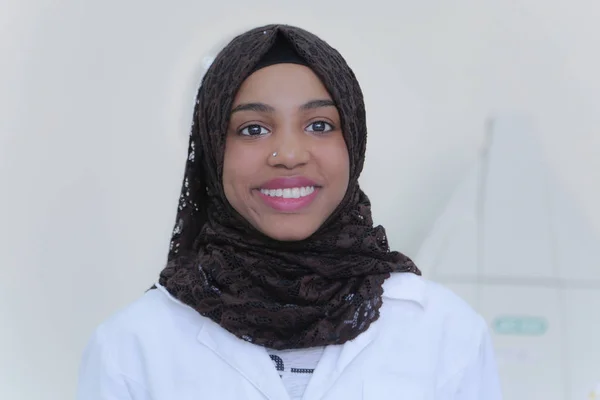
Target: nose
x: 292, y: 148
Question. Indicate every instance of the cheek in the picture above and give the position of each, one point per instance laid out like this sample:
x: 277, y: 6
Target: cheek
x: 343, y: 170
x: 229, y: 167
x: 239, y: 167
x: 335, y: 162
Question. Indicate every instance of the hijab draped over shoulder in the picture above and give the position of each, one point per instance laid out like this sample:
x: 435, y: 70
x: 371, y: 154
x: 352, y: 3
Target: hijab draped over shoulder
x: 323, y: 290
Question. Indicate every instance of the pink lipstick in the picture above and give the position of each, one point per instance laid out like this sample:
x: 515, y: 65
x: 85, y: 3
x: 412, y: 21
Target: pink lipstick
x: 289, y: 194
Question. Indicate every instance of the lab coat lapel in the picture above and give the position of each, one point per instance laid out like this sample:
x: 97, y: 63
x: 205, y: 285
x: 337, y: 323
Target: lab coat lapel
x: 250, y: 361
x: 335, y: 361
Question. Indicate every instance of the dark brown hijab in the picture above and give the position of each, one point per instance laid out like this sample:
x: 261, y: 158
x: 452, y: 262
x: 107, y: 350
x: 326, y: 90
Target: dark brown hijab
x: 320, y: 291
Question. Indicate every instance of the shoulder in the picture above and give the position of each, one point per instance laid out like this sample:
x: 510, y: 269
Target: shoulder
x: 155, y: 313
x: 435, y: 302
x: 436, y: 324
x: 145, y: 328
x: 152, y: 308
x: 140, y: 337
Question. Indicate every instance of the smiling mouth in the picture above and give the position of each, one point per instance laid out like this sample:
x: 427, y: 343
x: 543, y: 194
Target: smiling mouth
x: 289, y: 200
x: 289, y: 193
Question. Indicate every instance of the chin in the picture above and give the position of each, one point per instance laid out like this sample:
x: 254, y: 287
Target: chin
x: 288, y: 231
x: 287, y: 236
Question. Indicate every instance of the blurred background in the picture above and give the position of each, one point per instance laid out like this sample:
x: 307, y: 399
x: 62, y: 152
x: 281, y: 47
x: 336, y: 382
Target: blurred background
x: 482, y: 164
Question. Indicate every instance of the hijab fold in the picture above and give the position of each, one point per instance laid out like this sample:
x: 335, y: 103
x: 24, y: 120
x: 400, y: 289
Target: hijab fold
x: 319, y: 291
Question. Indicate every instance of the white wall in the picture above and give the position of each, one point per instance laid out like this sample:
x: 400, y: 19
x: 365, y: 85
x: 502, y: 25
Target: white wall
x: 96, y: 97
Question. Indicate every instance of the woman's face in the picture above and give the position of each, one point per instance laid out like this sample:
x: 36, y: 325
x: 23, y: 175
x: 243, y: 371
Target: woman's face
x: 285, y: 109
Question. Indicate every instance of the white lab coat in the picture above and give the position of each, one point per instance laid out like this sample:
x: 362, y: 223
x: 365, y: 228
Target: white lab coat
x: 427, y: 344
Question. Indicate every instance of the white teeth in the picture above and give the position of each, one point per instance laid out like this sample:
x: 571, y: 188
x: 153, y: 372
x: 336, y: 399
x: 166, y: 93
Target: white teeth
x: 289, y: 193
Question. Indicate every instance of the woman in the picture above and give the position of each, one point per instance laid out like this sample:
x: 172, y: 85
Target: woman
x: 278, y: 286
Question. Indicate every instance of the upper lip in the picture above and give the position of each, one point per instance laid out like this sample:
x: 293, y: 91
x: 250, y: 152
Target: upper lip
x: 288, y: 182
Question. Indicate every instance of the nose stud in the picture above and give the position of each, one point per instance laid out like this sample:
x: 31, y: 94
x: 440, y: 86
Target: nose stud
x: 274, y: 154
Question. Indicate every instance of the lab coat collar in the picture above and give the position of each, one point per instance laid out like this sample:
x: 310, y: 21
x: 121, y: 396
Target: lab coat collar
x: 254, y: 363
x: 405, y: 286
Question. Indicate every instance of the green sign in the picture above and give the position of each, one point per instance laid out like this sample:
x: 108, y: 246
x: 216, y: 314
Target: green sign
x: 520, y: 325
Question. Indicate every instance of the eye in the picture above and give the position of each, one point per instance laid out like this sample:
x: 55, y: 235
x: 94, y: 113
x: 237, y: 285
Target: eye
x: 254, y: 130
x: 319, y: 126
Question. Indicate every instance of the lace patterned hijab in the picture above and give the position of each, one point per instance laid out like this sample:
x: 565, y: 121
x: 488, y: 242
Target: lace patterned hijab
x: 319, y: 291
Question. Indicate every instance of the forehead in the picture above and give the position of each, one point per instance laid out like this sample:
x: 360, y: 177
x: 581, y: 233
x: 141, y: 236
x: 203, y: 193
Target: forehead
x: 282, y: 83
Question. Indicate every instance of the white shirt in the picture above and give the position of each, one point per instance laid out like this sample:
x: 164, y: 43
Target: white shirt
x: 427, y: 344
x: 295, y: 367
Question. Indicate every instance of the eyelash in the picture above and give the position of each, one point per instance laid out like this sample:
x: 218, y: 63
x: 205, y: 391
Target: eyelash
x: 328, y: 128
x: 322, y: 122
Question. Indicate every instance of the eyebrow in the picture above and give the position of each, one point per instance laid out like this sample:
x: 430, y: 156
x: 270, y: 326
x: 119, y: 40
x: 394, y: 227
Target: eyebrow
x: 311, y: 105
x: 265, y: 108
x: 258, y: 107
